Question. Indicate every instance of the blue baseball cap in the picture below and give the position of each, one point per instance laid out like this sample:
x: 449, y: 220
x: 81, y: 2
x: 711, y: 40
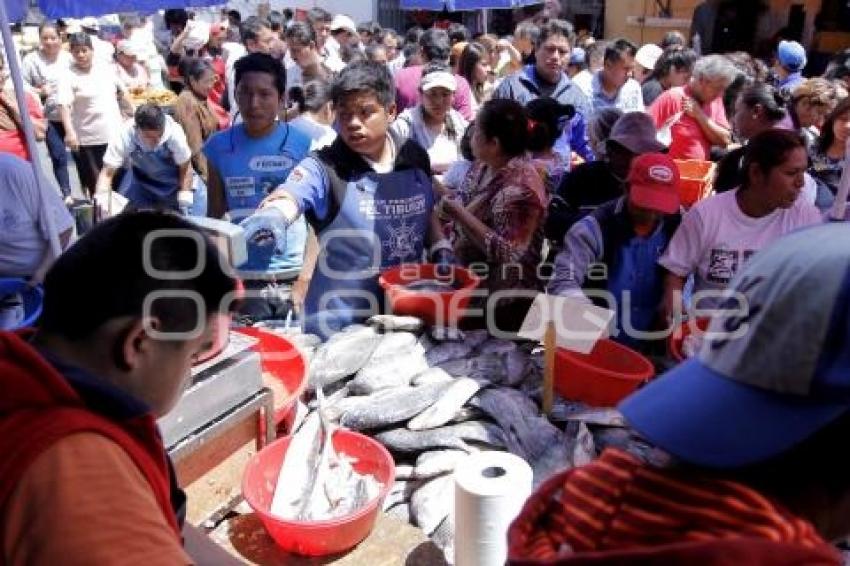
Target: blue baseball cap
x: 578, y: 56
x: 791, y: 55
x: 767, y: 377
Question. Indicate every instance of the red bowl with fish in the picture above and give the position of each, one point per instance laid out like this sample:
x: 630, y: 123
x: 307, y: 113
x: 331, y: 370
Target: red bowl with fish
x: 331, y: 536
x: 284, y: 372
x: 435, y: 307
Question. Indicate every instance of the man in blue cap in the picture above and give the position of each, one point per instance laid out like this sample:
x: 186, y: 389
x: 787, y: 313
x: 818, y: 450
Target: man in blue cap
x: 752, y: 466
x: 789, y: 65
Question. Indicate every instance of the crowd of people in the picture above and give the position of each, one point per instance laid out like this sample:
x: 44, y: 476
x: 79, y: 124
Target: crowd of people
x: 543, y: 161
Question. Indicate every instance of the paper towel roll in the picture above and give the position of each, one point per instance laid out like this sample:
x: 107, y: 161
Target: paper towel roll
x: 490, y: 489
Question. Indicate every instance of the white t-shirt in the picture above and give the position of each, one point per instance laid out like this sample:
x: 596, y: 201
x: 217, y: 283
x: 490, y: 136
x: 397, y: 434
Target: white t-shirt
x: 24, y: 210
x: 38, y: 71
x: 584, y: 80
x: 118, y: 153
x: 104, y: 51
x: 716, y: 238
x: 321, y: 134
x: 93, y: 100
x: 443, y: 150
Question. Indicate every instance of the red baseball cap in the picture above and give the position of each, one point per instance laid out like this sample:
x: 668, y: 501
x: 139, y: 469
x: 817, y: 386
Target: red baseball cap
x: 654, y: 183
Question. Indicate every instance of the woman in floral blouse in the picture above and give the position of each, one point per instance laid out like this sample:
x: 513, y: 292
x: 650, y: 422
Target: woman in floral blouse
x: 499, y: 211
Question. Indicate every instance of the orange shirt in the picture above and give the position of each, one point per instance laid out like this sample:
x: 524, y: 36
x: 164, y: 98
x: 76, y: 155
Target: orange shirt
x: 82, y: 502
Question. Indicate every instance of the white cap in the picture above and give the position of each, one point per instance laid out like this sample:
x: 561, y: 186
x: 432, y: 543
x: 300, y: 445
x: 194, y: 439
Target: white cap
x: 438, y: 79
x: 90, y: 23
x: 341, y: 21
x: 648, y: 55
x: 127, y: 47
x: 198, y: 36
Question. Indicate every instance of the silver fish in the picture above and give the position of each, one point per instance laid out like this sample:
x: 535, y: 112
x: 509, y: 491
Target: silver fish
x: 298, y: 472
x: 433, y: 502
x: 459, y: 368
x: 447, y: 334
x: 401, y: 512
x: 467, y: 414
x: 581, y: 445
x: 516, y: 366
x: 437, y: 462
x: 447, y: 351
x: 451, y: 401
x: 488, y: 367
x: 401, y: 491
x: 444, y: 538
x: 342, y: 355
x: 431, y: 285
x: 496, y: 346
x: 395, y: 323
x: 598, y: 416
x: 390, y: 373
x: 397, y: 405
x: 432, y: 375
x: 394, y: 343
x: 476, y: 337
x: 402, y: 440
x: 480, y: 432
x: 404, y: 471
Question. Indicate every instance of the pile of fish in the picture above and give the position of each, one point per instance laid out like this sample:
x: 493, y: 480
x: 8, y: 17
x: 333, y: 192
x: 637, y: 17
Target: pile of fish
x: 315, y: 481
x: 433, y: 396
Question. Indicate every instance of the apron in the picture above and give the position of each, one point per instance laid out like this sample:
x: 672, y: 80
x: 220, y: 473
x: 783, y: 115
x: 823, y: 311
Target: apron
x: 383, y: 221
x: 153, y: 179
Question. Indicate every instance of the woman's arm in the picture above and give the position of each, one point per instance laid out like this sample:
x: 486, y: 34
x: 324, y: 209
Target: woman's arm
x: 216, y: 203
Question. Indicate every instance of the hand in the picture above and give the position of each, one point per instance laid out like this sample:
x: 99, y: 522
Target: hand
x: 440, y: 190
x: 692, y: 108
x: 449, y: 206
x: 72, y: 142
x: 299, y: 293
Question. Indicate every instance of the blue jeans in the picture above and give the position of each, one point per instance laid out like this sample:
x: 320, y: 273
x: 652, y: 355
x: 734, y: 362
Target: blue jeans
x: 55, y: 140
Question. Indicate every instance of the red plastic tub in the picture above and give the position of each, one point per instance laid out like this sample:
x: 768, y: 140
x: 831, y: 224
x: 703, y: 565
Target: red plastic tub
x: 602, y: 378
x: 436, y: 308
x: 677, y: 339
x: 283, y: 362
x: 318, y: 538
x: 696, y: 180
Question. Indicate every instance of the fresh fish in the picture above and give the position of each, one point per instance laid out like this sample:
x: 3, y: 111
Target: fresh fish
x: 510, y: 409
x: 488, y: 367
x: 438, y: 462
x: 404, y: 471
x: 497, y: 346
x: 342, y: 355
x: 393, y: 344
x: 433, y: 502
x: 431, y: 286
x: 401, y: 512
x: 447, y: 351
x: 316, y: 504
x: 401, y: 491
x: 581, y: 446
x: 297, y: 473
x: 426, y: 343
x: 432, y: 375
x: 480, y: 432
x: 451, y: 401
x: 393, y: 372
x: 476, y: 337
x: 444, y: 538
x: 395, y: 323
x: 516, y: 366
x: 598, y: 416
x: 447, y: 334
x: 467, y: 414
x: 395, y: 406
x: 402, y: 440
x: 459, y: 368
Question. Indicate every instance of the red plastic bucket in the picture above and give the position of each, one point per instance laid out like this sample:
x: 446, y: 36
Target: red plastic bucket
x: 283, y: 362
x: 318, y: 538
x: 442, y: 308
x: 602, y: 378
x: 687, y: 328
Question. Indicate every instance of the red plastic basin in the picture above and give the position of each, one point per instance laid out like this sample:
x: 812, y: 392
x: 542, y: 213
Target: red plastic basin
x: 602, y: 378
x: 436, y: 308
x: 283, y: 361
x: 318, y: 538
x: 687, y: 328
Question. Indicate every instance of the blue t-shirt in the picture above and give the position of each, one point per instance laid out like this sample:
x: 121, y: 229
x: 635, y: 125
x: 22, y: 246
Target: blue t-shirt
x: 252, y: 168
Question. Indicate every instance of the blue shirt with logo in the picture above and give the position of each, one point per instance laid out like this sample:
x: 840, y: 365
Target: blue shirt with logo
x: 250, y: 169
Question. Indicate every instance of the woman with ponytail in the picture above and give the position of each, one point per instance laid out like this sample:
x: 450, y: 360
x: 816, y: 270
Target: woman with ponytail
x: 546, y: 117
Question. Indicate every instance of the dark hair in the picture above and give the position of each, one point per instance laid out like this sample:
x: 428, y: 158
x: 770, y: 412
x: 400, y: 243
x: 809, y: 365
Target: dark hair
x: 472, y: 54
x: 545, y: 117
x: 827, y: 136
x: 288, y: 14
x: 673, y: 39
x: 372, y: 28
x: 768, y: 150
x: 47, y: 24
x: 175, y: 17
x: 674, y: 58
x: 457, y: 33
x: 506, y: 121
x: 413, y: 35
x: 76, y: 307
x: 351, y: 54
x: 595, y: 53
x: 149, y: 117
x: 251, y: 27
x: 768, y: 98
x: 276, y: 21
x: 372, y: 50
x: 435, y: 45
x: 194, y: 68
x: 528, y: 29
x: 555, y: 27
x: 408, y: 51
x: 379, y: 37
x: 364, y: 76
x: 617, y: 48
x: 312, y: 96
x: 79, y: 39
x: 234, y: 15
x: 466, y: 142
x: 301, y: 32
x: 316, y: 15
x: 261, y: 63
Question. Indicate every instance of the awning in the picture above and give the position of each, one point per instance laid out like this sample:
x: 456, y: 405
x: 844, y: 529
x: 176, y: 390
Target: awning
x: 463, y: 5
